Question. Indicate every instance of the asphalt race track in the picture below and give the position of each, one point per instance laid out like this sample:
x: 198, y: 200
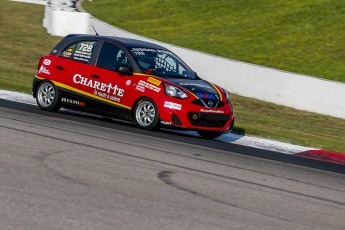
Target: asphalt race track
x: 68, y: 171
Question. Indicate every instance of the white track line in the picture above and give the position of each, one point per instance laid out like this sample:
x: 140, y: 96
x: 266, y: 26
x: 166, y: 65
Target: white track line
x: 39, y: 2
x: 255, y: 142
x: 17, y: 97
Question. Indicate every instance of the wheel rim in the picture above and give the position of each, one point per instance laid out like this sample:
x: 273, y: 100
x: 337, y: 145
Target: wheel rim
x: 46, y: 94
x: 145, y: 113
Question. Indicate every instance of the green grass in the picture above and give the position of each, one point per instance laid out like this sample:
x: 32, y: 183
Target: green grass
x: 24, y: 41
x: 306, y: 36
x: 293, y: 126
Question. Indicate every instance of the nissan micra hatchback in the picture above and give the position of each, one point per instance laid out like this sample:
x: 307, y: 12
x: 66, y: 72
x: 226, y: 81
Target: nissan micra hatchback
x: 132, y: 80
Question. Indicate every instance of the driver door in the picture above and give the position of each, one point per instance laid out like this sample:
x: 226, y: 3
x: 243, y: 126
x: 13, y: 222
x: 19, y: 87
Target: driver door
x: 115, y: 87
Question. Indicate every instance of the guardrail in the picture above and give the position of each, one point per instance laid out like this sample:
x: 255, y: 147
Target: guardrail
x: 61, y: 18
x: 279, y: 87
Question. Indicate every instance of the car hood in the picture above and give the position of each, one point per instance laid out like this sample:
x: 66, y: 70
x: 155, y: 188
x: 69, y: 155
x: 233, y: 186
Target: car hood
x: 201, y: 88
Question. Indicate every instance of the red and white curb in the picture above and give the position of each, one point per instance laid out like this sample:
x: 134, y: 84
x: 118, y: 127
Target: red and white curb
x: 323, y: 155
x: 266, y: 144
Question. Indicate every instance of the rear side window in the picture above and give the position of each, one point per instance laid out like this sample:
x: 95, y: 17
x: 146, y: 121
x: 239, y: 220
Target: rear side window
x: 112, y: 57
x: 79, y: 51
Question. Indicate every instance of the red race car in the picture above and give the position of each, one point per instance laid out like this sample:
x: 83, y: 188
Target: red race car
x: 132, y: 80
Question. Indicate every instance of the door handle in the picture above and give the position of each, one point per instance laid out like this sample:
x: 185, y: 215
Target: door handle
x: 59, y: 67
x: 95, y: 76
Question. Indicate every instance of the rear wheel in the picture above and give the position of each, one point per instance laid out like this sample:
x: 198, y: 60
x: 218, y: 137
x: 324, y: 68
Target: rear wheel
x: 209, y: 134
x: 146, y: 114
x: 47, y: 97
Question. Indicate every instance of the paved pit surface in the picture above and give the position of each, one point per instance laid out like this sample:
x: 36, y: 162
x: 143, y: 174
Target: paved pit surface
x: 63, y: 171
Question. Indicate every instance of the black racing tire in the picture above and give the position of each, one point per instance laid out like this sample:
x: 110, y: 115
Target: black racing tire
x: 209, y: 134
x: 48, y: 96
x: 146, y: 114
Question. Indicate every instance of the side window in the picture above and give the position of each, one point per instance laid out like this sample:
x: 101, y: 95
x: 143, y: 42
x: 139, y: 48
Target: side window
x: 68, y: 51
x: 79, y: 51
x: 111, y: 57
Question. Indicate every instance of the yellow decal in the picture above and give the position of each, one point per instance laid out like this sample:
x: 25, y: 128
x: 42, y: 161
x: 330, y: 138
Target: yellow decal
x: 154, y: 81
x: 61, y: 85
x: 220, y: 94
x: 40, y: 78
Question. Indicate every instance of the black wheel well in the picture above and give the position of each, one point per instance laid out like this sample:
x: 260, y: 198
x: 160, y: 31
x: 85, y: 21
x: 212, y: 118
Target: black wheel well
x: 35, y: 84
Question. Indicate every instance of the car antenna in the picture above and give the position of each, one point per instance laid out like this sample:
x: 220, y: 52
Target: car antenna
x: 94, y: 29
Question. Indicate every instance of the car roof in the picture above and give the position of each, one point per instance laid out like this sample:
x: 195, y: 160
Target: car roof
x: 126, y: 41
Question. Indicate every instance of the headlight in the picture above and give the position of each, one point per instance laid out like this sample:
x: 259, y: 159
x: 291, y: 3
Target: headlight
x: 227, y: 96
x: 173, y: 91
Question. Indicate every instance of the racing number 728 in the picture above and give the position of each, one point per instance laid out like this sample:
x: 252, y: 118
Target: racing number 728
x: 85, y: 47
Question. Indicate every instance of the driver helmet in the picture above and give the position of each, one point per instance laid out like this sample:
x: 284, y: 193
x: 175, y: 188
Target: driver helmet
x: 147, y: 61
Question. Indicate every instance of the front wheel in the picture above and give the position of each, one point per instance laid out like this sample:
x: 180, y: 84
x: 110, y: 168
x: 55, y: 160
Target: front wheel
x: 209, y: 134
x: 47, y: 97
x: 146, y: 114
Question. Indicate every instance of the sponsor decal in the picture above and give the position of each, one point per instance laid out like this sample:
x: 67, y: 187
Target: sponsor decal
x: 73, y: 102
x: 44, y: 70
x: 211, y: 111
x: 140, y: 88
x: 154, y: 81
x: 172, y: 105
x: 165, y: 51
x: 108, y: 91
x: 47, y: 62
x: 128, y: 82
x: 195, y: 84
x: 166, y: 123
x: 66, y: 54
x: 141, y: 51
x: 207, y: 96
x: 83, y: 51
x: 147, y: 85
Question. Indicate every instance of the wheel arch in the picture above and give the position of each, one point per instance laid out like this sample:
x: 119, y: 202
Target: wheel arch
x: 136, y: 102
x: 155, y: 123
x: 35, y: 84
x: 55, y: 104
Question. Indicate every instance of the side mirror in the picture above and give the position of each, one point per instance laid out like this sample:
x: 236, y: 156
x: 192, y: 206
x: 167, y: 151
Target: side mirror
x: 196, y: 75
x: 124, y: 70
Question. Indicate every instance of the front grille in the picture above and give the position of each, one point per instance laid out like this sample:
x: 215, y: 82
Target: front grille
x: 205, y: 103
x: 197, y: 102
x: 208, y: 119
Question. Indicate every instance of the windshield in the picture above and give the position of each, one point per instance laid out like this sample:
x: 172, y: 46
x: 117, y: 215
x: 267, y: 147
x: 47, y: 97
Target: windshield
x: 162, y: 63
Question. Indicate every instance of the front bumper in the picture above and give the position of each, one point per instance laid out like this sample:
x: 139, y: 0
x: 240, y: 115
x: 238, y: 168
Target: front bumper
x: 196, y: 117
